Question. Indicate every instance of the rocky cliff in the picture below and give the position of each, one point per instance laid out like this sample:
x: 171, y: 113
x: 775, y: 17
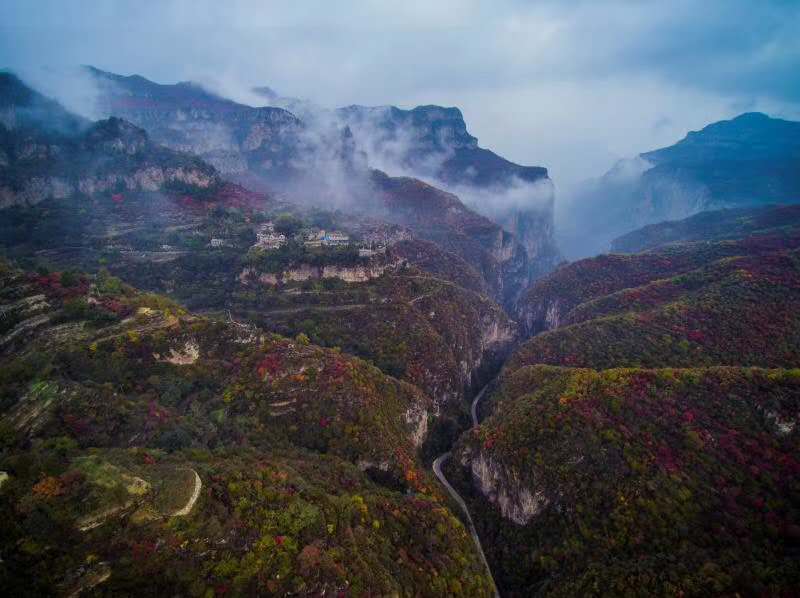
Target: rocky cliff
x: 443, y: 338
x: 372, y: 268
x: 638, y: 455
x: 324, y: 158
x: 184, y: 116
x: 47, y: 153
x: 661, y: 279
x: 442, y: 218
x: 432, y: 143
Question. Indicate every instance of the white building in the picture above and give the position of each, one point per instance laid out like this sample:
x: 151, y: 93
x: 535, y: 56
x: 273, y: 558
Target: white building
x: 270, y: 240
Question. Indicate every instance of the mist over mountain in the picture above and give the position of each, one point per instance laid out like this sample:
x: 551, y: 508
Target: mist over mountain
x: 46, y: 152
x: 432, y: 143
x: 325, y: 159
x: 746, y: 161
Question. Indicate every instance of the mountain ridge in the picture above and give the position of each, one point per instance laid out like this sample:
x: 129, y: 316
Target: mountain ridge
x: 750, y: 160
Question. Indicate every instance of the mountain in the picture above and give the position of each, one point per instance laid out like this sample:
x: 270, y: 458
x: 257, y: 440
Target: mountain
x: 714, y: 225
x: 442, y: 338
x: 304, y: 109
x: 433, y: 140
x: 670, y: 249
x: 637, y: 481
x: 442, y: 218
x: 432, y: 143
x: 45, y: 152
x: 644, y: 439
x: 212, y: 388
x: 328, y: 157
x: 186, y: 117
x: 750, y: 160
x: 398, y: 308
x: 147, y: 447
x: 737, y: 305
x: 23, y: 108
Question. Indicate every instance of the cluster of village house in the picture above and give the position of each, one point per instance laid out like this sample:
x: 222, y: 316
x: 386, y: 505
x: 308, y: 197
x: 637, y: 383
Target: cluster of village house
x: 268, y: 238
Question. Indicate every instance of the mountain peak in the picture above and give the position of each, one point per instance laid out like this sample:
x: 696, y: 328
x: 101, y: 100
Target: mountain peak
x: 266, y: 91
x: 749, y: 136
x: 752, y: 117
x: 116, y: 135
x: 13, y: 91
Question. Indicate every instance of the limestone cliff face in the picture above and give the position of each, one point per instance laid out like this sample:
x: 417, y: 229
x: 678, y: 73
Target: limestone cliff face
x: 416, y: 417
x: 49, y: 153
x: 441, y: 217
x: 534, y: 229
x: 497, y: 335
x: 233, y: 137
x: 151, y: 178
x: 303, y: 272
x: 433, y: 143
x: 539, y: 314
x: 502, y: 486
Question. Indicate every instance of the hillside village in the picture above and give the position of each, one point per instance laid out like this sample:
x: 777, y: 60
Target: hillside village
x: 268, y: 238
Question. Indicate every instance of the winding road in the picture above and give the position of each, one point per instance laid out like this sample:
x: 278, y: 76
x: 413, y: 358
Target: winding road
x: 437, y: 471
x: 474, y: 408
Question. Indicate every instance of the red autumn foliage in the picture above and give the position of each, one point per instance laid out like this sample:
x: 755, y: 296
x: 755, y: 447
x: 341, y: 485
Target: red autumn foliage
x: 337, y: 368
x: 271, y: 364
x: 116, y: 307
x: 696, y: 336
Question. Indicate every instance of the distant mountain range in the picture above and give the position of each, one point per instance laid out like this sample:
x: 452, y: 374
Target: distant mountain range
x: 185, y: 116
x: 750, y: 160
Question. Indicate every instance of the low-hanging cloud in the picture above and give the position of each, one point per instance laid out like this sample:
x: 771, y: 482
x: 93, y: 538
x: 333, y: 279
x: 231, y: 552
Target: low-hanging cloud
x: 510, y: 65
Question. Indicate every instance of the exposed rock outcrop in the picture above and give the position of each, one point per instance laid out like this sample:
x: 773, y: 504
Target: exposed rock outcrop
x: 50, y: 154
x: 303, y: 272
x: 501, y: 486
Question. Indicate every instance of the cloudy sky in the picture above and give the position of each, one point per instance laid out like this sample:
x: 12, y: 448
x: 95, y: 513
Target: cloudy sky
x: 570, y: 85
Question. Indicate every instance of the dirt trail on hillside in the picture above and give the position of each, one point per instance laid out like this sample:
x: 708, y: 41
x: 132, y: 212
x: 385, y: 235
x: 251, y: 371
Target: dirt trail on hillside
x: 198, y: 486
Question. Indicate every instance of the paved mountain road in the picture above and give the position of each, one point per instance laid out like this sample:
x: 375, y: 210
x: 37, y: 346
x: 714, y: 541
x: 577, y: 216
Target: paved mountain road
x: 437, y: 471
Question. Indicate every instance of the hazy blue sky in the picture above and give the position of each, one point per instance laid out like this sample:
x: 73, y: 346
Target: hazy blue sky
x: 569, y: 85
